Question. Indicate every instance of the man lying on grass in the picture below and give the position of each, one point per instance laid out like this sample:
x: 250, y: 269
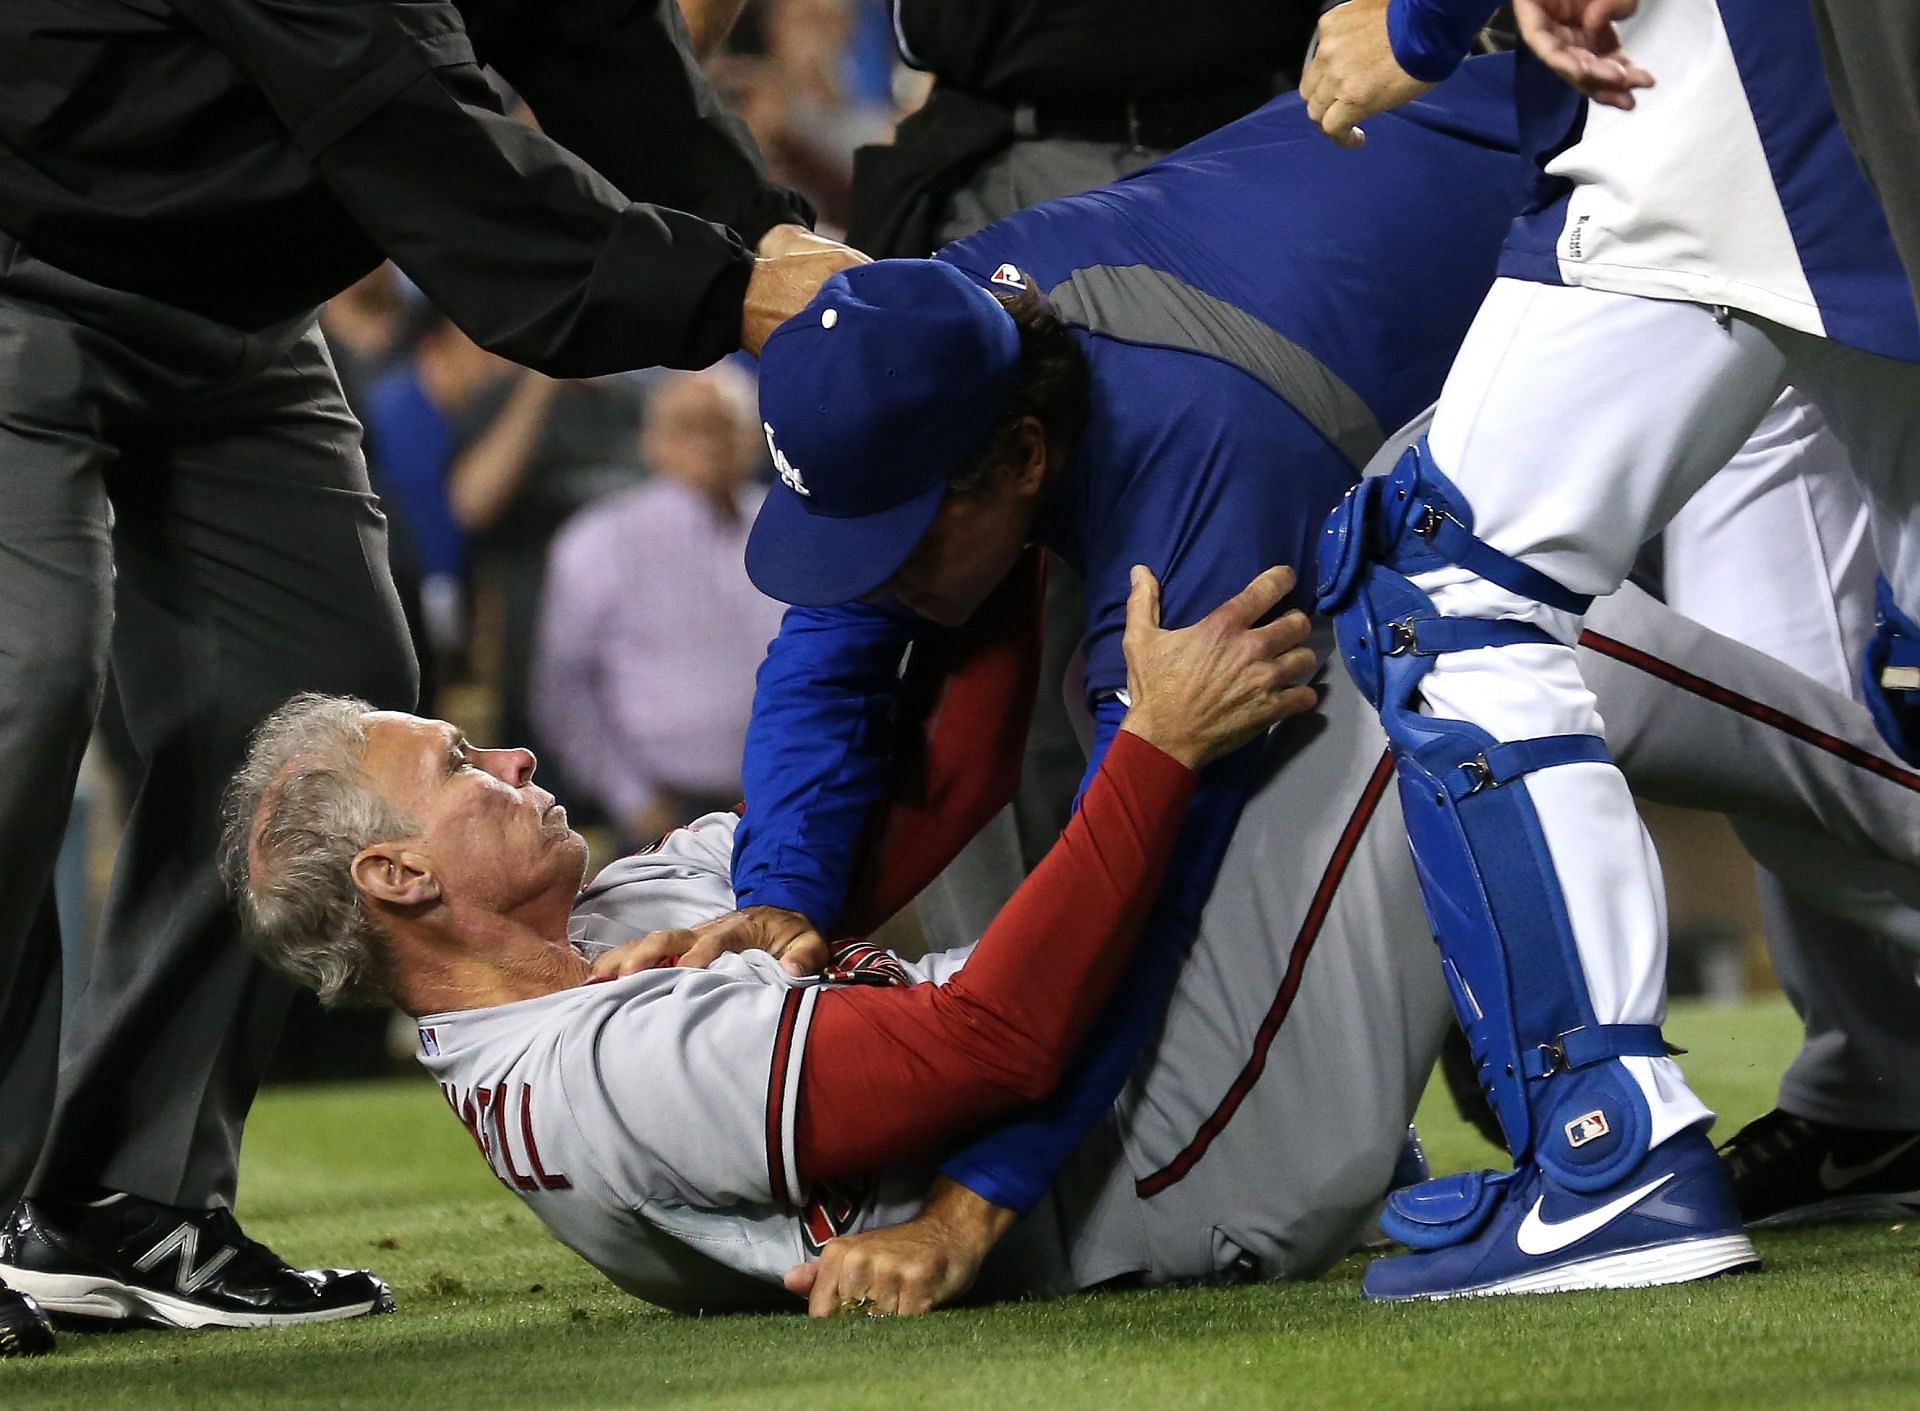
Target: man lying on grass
x: 703, y: 1134
x: 687, y: 1130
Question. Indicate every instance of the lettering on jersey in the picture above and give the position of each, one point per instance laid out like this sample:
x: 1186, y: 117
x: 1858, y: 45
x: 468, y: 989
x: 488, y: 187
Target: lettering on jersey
x: 789, y: 474
x: 830, y: 1213
x: 1576, y: 235
x: 1009, y: 275
x: 498, y: 1124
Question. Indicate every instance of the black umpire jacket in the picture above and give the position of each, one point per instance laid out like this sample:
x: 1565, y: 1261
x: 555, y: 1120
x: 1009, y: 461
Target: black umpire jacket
x: 247, y: 159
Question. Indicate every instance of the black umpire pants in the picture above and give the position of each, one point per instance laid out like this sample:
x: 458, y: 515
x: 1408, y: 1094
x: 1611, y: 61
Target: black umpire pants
x: 189, y: 501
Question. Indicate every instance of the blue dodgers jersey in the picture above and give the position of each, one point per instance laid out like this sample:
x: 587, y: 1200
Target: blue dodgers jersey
x: 1311, y: 270
x: 1359, y: 270
x: 1730, y: 181
x: 1257, y: 310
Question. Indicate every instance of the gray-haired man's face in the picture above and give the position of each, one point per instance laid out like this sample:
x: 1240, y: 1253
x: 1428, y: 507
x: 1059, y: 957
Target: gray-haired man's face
x: 493, y: 837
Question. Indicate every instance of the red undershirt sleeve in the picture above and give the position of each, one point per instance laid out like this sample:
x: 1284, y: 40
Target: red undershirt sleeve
x: 895, y: 1075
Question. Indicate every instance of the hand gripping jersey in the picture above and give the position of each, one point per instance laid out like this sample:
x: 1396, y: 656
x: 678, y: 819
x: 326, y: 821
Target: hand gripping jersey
x: 648, y: 1121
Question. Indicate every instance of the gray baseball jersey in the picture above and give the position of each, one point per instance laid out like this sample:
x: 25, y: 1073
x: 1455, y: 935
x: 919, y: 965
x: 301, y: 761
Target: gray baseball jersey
x: 648, y: 1121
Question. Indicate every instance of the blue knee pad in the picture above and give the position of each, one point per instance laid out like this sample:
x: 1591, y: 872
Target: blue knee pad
x: 1492, y: 895
x: 1890, y: 672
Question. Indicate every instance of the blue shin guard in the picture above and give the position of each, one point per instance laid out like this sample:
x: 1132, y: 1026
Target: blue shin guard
x: 1890, y: 672
x: 1492, y: 894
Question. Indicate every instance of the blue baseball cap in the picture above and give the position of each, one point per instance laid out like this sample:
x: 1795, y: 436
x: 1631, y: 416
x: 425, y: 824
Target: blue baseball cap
x: 872, y: 398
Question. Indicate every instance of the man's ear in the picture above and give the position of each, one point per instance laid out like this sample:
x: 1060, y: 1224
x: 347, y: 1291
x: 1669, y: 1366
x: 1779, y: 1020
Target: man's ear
x: 395, y: 874
x: 1027, y: 471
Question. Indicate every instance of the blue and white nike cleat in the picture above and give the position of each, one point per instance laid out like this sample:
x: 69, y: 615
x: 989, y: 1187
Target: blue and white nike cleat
x: 1671, y: 1219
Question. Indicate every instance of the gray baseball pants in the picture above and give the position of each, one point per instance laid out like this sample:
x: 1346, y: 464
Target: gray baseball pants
x: 1262, y: 1127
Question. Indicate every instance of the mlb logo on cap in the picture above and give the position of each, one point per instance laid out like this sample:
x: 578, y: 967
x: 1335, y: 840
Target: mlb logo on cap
x: 872, y: 398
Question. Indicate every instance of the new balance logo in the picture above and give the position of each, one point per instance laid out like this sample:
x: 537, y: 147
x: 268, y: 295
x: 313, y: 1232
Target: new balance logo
x: 184, y: 1244
x: 789, y: 475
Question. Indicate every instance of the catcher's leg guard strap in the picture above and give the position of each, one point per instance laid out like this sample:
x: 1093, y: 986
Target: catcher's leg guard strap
x: 1493, y: 897
x: 1890, y: 673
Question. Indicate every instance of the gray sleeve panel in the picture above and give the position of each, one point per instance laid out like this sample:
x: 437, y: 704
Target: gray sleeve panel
x: 1142, y: 304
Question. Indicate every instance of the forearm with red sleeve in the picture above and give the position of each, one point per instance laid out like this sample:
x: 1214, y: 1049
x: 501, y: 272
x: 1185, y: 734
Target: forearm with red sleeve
x: 892, y: 1075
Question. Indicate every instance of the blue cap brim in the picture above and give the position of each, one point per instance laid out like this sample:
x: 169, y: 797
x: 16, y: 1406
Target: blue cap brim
x: 820, y: 560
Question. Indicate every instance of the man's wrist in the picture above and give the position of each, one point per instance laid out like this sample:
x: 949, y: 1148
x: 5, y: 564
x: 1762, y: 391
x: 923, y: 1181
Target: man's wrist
x: 1182, y: 749
x: 966, y: 1213
x: 768, y: 209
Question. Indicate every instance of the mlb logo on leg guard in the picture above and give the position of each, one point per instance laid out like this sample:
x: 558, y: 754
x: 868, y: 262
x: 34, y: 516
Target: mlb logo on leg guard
x: 1587, y: 1127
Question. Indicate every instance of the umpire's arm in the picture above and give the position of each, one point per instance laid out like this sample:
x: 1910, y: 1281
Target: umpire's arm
x: 535, y: 254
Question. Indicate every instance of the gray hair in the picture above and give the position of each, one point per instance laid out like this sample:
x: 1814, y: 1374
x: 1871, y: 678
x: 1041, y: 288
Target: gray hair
x: 297, y: 813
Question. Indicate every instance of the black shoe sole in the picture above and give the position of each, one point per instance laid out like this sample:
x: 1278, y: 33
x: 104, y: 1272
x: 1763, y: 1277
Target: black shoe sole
x: 1871, y: 1209
x: 97, y: 1298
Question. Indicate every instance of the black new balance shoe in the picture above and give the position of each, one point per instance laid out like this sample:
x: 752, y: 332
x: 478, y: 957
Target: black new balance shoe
x: 1789, y: 1171
x: 24, y: 1329
x: 127, y: 1259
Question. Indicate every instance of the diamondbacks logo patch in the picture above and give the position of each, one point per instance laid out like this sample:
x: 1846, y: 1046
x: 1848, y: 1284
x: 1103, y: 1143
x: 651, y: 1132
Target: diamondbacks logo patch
x: 1587, y: 1127
x: 829, y: 1214
x: 789, y: 475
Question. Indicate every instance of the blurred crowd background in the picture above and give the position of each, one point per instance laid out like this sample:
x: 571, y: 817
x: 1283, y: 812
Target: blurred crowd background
x: 569, y: 553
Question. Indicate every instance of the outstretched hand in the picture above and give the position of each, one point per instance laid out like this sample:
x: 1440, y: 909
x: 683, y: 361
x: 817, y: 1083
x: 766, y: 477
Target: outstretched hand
x: 1576, y: 39
x: 785, y: 934
x: 1205, y: 690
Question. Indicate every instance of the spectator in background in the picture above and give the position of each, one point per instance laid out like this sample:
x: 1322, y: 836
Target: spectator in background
x: 554, y: 448
x: 651, y: 634
x: 419, y: 417
x: 803, y: 100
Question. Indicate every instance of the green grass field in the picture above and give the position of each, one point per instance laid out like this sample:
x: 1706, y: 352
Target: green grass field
x: 494, y: 1314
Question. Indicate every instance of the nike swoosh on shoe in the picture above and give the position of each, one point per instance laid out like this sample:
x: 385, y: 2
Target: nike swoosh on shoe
x: 1835, y: 1177
x: 1537, y: 1236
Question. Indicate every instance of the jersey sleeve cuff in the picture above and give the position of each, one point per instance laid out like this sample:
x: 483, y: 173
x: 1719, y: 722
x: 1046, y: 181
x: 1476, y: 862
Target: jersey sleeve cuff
x: 995, y: 1187
x: 1430, y: 38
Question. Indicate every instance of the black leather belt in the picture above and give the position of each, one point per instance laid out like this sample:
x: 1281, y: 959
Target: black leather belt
x: 1155, y: 124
